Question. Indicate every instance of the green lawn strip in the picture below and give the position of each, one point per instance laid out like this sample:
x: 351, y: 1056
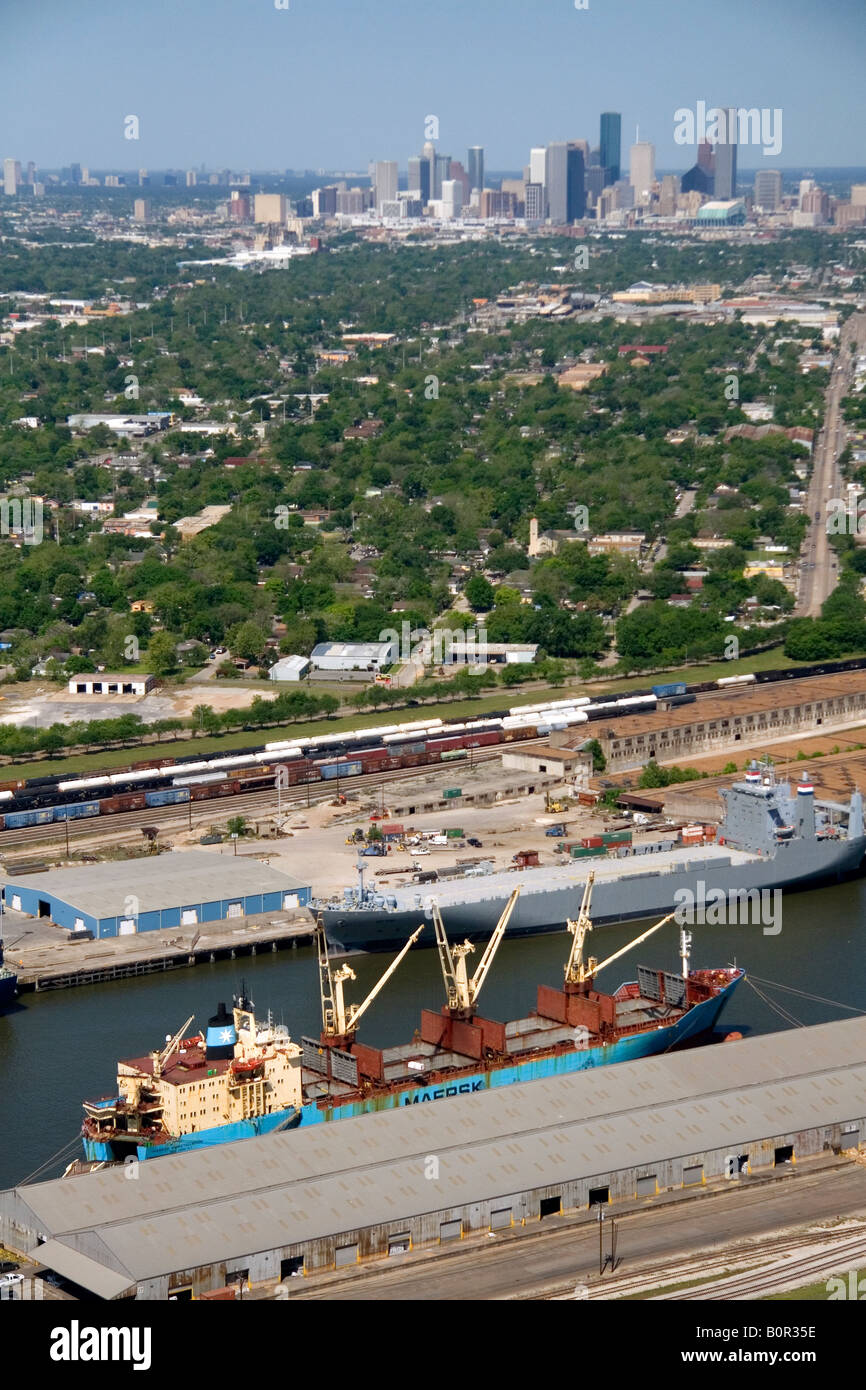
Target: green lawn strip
x: 816, y: 1293
x: 501, y: 698
x: 673, y: 1288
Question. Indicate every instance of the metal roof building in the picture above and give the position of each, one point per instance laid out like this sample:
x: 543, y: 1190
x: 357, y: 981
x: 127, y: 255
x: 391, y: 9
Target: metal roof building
x: 181, y: 888
x: 335, y: 1193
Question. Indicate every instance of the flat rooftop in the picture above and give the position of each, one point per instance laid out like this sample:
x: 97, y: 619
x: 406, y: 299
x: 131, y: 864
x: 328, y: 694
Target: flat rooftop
x: 193, y: 1210
x: 157, y: 881
x: 737, y: 701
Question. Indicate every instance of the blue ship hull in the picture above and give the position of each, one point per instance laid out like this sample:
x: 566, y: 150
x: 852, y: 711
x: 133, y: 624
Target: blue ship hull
x: 202, y: 1139
x: 8, y: 990
x: 699, y: 1020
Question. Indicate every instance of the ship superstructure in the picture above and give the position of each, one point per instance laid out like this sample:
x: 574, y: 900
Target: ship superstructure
x: 770, y: 837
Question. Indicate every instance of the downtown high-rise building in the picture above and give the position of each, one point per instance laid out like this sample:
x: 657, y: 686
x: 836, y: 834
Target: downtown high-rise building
x: 475, y: 167
x: 533, y: 202
x: 725, y: 181
x: 384, y: 182
x: 768, y: 189
x: 10, y: 178
x: 642, y: 168
x: 441, y: 172
x: 566, y: 193
x: 419, y: 177
x: 610, y: 145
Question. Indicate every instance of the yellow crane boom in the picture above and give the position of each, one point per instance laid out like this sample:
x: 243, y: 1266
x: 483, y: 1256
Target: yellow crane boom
x: 160, y: 1058
x: 338, y: 1019
x: 461, y: 992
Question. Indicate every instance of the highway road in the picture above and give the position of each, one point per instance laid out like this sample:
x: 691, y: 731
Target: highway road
x: 819, y: 569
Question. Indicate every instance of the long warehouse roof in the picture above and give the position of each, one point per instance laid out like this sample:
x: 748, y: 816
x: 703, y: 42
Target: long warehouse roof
x: 157, y: 881
x: 229, y: 1202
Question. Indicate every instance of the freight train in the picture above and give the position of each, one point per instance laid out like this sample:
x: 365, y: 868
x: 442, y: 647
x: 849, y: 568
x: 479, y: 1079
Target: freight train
x: 325, y: 757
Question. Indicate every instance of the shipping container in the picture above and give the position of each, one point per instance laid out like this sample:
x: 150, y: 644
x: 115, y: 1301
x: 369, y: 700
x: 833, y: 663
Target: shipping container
x: 171, y: 796
x: 592, y: 842
x: 454, y: 834
x: 451, y: 793
x: 673, y: 688
x: 582, y: 852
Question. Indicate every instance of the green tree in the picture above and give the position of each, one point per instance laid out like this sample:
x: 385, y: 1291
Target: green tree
x: 161, y: 654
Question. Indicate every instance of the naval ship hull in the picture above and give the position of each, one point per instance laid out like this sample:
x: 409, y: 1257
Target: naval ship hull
x: 472, y: 907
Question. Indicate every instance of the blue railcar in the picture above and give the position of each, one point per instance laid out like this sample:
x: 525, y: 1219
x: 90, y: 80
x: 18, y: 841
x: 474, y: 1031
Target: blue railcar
x: 674, y: 688
x: 170, y: 797
x: 331, y: 770
x: 20, y: 820
x: 76, y: 811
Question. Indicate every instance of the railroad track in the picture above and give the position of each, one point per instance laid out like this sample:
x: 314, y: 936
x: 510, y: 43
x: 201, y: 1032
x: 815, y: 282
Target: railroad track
x: 196, y: 814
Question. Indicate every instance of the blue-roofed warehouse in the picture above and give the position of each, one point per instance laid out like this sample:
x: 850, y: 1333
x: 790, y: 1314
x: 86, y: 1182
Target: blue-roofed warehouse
x: 177, y: 889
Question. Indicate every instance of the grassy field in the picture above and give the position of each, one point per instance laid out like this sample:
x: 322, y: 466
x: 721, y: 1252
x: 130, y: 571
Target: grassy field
x: 501, y: 698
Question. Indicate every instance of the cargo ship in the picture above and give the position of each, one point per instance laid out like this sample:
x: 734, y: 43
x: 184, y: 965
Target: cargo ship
x: 769, y: 837
x: 8, y: 982
x: 241, y: 1080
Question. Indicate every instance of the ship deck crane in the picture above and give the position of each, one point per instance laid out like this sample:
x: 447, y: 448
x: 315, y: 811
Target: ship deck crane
x: 579, y: 974
x: 339, y: 1020
x: 160, y: 1058
x: 462, y: 993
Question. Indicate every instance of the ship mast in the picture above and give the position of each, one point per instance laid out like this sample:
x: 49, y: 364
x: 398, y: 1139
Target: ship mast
x: 339, y: 1020
x: 461, y: 992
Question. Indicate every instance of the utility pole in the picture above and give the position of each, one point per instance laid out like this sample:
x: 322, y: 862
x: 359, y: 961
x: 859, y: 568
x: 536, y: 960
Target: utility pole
x: 601, y: 1240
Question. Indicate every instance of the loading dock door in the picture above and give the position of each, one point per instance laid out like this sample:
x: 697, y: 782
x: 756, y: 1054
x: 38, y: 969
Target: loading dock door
x: 127, y: 926
x: 188, y: 916
x: 290, y: 900
x: 646, y: 1187
x: 235, y: 910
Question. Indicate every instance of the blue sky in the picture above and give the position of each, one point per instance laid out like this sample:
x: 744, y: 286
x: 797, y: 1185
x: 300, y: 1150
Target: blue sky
x: 335, y: 83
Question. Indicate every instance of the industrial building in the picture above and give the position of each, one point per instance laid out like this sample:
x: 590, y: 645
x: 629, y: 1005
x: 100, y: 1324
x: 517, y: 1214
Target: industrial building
x: 719, y: 721
x: 178, y: 889
x: 289, y: 668
x: 353, y: 656
x: 332, y: 1195
x: 105, y: 684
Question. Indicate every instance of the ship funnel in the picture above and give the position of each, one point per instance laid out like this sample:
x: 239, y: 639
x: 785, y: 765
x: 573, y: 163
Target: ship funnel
x: 221, y: 1036
x: 806, y: 810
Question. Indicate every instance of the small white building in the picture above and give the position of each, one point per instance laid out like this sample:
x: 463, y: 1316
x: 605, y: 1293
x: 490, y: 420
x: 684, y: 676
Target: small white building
x: 289, y: 668
x: 104, y: 683
x: 353, y: 656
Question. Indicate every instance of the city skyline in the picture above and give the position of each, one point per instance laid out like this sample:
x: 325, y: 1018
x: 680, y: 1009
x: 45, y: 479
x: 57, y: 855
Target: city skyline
x: 275, y: 88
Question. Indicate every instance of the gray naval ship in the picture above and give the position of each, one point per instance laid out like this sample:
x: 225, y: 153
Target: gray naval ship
x: 770, y: 838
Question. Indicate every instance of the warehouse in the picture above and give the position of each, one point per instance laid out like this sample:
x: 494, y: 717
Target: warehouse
x: 746, y: 716
x: 353, y: 656
x: 104, y: 684
x: 332, y: 1195
x: 178, y: 889
x: 289, y: 668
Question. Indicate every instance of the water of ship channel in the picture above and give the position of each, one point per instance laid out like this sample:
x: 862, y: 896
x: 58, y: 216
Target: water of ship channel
x: 57, y: 1048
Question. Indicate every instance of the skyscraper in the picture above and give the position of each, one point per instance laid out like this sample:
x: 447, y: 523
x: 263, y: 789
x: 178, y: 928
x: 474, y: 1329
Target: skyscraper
x: 726, y: 156
x: 610, y: 144
x: 10, y: 182
x: 384, y: 181
x: 642, y: 168
x: 768, y: 189
x: 441, y: 172
x: 576, y: 205
x: 557, y: 182
x: 419, y: 177
x: 475, y: 167
x: 533, y: 197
